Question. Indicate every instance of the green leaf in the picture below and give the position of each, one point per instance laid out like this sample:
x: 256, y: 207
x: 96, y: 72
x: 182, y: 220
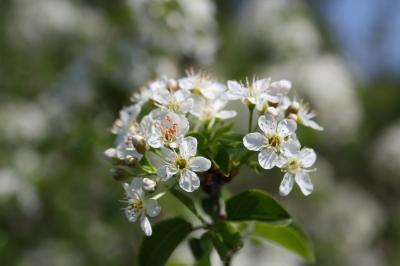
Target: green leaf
x: 201, y: 249
x: 222, y: 159
x: 187, y: 201
x: 291, y: 237
x: 219, y: 245
x: 256, y: 205
x: 167, y: 235
x: 226, y: 239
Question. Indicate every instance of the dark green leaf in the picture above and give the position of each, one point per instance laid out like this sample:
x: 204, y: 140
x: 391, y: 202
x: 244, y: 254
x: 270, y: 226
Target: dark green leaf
x: 290, y: 237
x: 167, y: 235
x: 219, y: 245
x: 256, y: 205
x: 222, y: 159
x: 201, y: 249
x: 187, y: 201
x: 231, y: 237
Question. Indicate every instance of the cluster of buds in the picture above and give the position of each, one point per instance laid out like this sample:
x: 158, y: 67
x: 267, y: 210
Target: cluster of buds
x: 156, y: 147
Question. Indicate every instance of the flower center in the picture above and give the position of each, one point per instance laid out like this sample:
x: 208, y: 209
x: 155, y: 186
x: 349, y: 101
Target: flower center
x: 136, y: 205
x: 169, y: 131
x: 174, y: 106
x: 274, y: 141
x: 181, y: 163
x: 294, y: 165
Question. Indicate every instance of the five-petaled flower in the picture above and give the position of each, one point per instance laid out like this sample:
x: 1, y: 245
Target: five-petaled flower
x: 184, y: 164
x: 138, y: 206
x: 295, y: 163
x: 277, y: 136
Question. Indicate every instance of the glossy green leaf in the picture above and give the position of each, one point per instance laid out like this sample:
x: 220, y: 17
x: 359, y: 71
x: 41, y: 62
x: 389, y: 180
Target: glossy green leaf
x: 222, y: 159
x: 201, y: 249
x: 187, y: 201
x: 256, y: 205
x: 167, y: 235
x: 290, y: 237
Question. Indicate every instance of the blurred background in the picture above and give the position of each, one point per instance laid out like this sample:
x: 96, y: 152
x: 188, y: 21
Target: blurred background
x: 68, y: 66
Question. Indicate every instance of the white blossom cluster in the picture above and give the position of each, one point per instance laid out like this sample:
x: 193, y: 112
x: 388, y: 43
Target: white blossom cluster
x: 155, y: 129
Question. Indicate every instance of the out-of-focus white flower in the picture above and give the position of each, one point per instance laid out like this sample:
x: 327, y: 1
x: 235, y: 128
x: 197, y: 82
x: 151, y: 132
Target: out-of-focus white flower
x: 171, y: 98
x: 169, y: 129
x: 385, y: 153
x: 36, y: 21
x: 276, y: 137
x: 294, y: 162
x: 200, y: 82
x: 52, y: 252
x: 209, y: 110
x: 178, y: 27
x: 12, y: 185
x: 290, y: 37
x: 184, y: 164
x: 259, y: 92
x: 139, y: 206
x: 300, y: 112
x: 23, y: 121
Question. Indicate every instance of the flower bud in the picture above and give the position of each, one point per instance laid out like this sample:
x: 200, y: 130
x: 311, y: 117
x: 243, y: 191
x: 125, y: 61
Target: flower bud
x: 118, y: 173
x: 172, y: 84
x: 149, y: 185
x: 293, y: 116
x: 140, y: 144
x: 130, y: 161
x: 272, y: 110
x: 111, y: 155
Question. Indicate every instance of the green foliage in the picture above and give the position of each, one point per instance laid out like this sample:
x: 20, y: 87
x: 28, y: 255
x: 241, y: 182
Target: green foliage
x: 256, y: 205
x: 290, y: 237
x: 167, y: 235
x: 201, y: 249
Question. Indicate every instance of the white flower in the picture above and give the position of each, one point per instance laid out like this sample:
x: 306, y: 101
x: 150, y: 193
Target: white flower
x: 301, y: 112
x: 209, y: 110
x: 294, y: 162
x: 277, y: 136
x: 168, y: 129
x: 201, y: 83
x: 184, y: 165
x: 139, y: 206
x: 259, y: 92
x: 166, y: 95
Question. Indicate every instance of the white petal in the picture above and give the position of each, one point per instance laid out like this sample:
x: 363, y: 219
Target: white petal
x: 281, y: 87
x: 187, y: 105
x: 253, y: 141
x: 166, y: 171
x: 131, y: 215
x: 304, y: 181
x: 168, y: 154
x: 155, y: 142
x: 236, y: 91
x: 137, y: 183
x: 188, y: 147
x: 225, y: 114
x: 308, y: 157
x: 281, y: 161
x: 267, y: 123
x: 312, y: 124
x: 286, y: 127
x: 145, y: 225
x: 291, y: 146
x: 152, y: 208
x: 199, y: 164
x: 286, y: 184
x: 267, y: 158
x: 189, y: 181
